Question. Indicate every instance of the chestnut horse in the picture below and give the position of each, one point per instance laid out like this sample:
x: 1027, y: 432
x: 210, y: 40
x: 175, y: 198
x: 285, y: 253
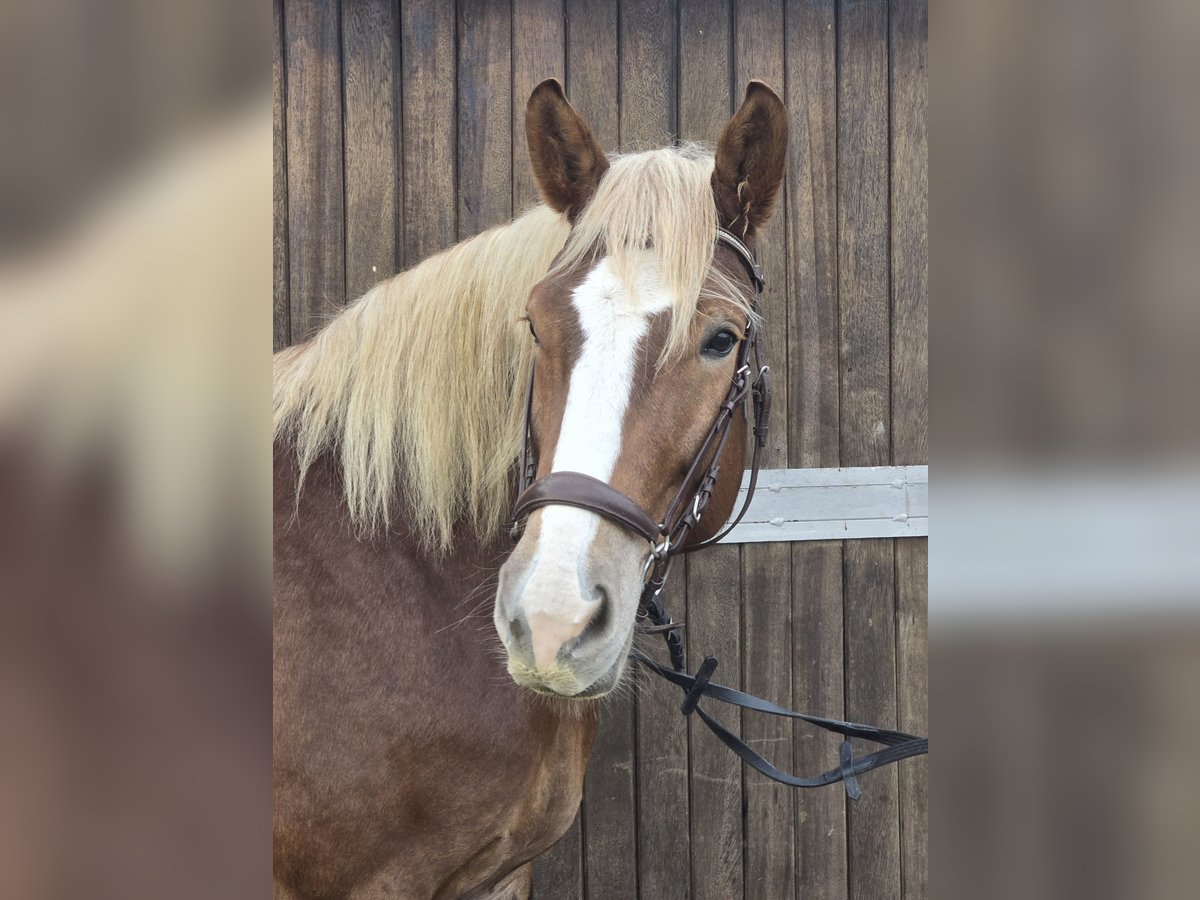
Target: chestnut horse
x: 415, y: 754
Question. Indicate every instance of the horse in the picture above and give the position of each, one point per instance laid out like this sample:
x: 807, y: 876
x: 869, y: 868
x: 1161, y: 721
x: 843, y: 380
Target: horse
x: 422, y: 747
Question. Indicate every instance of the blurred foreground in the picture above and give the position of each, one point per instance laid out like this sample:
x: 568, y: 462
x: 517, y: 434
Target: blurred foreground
x: 135, y: 231
x: 1065, y: 554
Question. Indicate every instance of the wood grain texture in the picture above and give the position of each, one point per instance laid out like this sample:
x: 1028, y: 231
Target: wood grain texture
x: 870, y: 679
x: 648, y: 108
x: 817, y: 672
x: 663, y: 804
x: 865, y: 316
x: 770, y: 866
x: 316, y: 275
x: 484, y: 115
x: 912, y: 687
x: 909, y: 29
x: 705, y: 101
x: 909, y: 233
x: 814, y: 427
x: 281, y: 312
x: 558, y: 873
x: 429, y: 129
x: 369, y: 34
x: 714, y: 628
x: 592, y: 71
x: 863, y: 258
x: 813, y: 420
x: 610, y: 811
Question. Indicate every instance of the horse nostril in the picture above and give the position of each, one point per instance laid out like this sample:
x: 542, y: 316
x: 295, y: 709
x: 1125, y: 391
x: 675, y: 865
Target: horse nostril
x: 600, y: 618
x: 515, y: 628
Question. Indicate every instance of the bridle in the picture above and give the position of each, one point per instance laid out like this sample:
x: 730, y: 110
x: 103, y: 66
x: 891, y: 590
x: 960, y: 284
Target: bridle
x: 668, y: 538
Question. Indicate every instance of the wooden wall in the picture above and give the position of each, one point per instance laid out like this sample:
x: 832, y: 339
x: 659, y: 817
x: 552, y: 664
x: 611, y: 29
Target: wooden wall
x: 398, y: 132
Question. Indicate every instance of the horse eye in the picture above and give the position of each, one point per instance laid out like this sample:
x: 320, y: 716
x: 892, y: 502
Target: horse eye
x: 720, y: 344
x: 531, y: 331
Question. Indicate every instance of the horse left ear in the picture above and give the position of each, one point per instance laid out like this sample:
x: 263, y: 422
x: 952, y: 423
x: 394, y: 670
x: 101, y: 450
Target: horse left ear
x: 751, y: 156
x: 566, y: 157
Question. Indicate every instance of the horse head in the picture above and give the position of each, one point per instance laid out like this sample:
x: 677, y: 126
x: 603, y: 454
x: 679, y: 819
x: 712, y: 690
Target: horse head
x: 639, y: 326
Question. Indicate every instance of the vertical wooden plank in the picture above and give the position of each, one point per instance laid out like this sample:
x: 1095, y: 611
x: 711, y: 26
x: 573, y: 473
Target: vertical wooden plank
x: 281, y: 320
x: 817, y: 667
x: 484, y: 115
x: 369, y: 56
x: 316, y: 279
x: 863, y: 273
x: 813, y: 401
x: 714, y: 617
x: 766, y: 568
x: 910, y: 227
x: 647, y: 57
x: 713, y: 577
x: 910, y: 361
x: 647, y: 115
x: 610, y: 806
x: 592, y: 73
x: 429, y: 130
x: 705, y: 103
x: 484, y: 112
x: 912, y: 672
x: 558, y: 873
x: 663, y: 809
x: 870, y: 623
x: 609, y: 850
x: 538, y: 53
x: 814, y: 429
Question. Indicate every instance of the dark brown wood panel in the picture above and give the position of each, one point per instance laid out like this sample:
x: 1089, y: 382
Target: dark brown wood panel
x: 865, y: 316
x: 484, y: 115
x: 713, y: 628
x: 398, y: 129
x: 909, y: 27
x: 429, y: 129
x: 281, y: 313
x: 592, y: 71
x: 369, y: 33
x: 770, y: 866
x: 316, y: 248
x: 814, y: 431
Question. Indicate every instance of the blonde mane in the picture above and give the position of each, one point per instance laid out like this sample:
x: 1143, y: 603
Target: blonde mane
x: 418, y: 384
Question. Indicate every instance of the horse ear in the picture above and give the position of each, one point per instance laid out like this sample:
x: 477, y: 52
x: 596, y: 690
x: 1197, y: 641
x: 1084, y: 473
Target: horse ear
x: 750, y: 161
x: 566, y: 158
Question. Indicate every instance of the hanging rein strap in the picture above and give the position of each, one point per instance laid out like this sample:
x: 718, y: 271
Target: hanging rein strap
x: 668, y: 537
x: 898, y: 745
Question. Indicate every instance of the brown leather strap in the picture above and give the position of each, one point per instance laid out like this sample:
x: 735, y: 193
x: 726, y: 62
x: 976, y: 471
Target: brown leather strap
x: 586, y: 492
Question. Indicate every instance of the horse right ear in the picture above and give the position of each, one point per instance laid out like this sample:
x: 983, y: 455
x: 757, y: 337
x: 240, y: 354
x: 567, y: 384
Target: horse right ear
x: 567, y: 160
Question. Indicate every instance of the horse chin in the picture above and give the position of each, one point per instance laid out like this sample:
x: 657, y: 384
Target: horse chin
x: 560, y: 682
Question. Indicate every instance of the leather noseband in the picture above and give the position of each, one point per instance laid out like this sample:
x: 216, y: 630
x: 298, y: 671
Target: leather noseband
x: 668, y: 534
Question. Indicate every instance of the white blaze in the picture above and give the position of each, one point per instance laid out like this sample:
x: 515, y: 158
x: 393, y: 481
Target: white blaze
x: 613, y: 324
